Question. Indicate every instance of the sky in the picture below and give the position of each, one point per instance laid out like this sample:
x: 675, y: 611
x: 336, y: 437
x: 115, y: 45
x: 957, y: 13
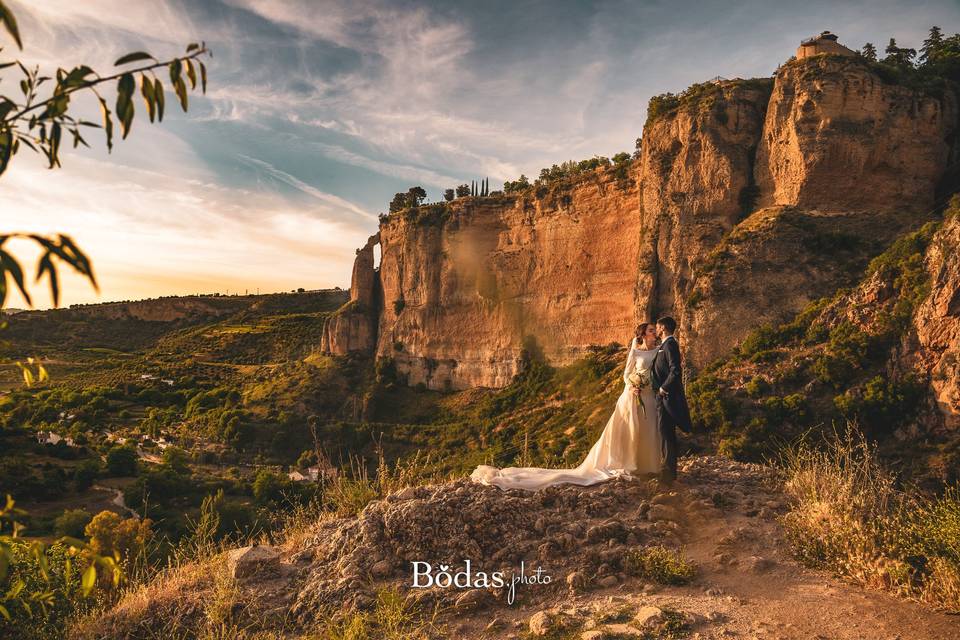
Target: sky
x: 318, y: 111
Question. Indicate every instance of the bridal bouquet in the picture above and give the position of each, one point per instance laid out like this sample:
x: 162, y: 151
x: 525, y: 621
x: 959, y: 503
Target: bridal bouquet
x: 639, y: 380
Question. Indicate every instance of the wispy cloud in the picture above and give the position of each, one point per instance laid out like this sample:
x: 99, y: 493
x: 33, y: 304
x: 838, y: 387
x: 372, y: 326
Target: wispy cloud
x: 300, y: 185
x: 318, y: 111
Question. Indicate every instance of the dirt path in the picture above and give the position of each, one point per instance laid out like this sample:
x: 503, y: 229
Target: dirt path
x: 117, y: 500
x: 747, y: 584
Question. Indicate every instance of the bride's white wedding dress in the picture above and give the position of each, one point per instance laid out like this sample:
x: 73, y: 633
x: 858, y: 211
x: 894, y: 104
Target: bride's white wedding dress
x: 629, y: 444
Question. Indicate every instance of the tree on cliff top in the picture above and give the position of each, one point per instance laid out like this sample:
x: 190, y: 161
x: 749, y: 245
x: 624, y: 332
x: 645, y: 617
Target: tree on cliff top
x: 899, y: 56
x: 869, y: 52
x: 416, y: 196
x: 932, y: 44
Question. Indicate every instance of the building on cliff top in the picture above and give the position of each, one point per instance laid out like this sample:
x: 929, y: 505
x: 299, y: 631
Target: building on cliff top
x: 826, y: 42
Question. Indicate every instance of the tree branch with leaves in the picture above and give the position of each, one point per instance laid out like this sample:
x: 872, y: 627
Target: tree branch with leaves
x: 39, y: 118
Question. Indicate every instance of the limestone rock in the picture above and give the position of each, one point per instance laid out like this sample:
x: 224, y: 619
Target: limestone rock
x: 649, y: 616
x: 253, y: 561
x: 546, y: 623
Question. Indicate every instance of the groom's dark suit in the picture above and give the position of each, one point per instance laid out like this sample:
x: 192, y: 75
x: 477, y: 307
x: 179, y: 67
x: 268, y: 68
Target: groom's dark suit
x: 672, y: 410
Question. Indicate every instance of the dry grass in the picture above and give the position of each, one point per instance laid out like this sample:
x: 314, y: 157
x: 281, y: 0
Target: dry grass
x: 351, y: 492
x: 850, y: 516
x: 392, y: 618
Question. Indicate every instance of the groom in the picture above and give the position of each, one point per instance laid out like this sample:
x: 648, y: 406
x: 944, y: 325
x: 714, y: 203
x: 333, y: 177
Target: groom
x: 672, y: 410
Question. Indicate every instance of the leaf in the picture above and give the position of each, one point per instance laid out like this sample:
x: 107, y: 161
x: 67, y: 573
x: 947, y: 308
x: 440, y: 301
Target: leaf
x: 46, y: 266
x: 9, y: 264
x: 7, y: 19
x: 180, y: 87
x: 175, y: 68
x: 193, y: 46
x: 125, y: 88
x: 89, y: 579
x: 28, y: 378
x: 6, y: 149
x: 78, y: 259
x: 146, y: 89
x: 107, y: 123
x: 134, y: 57
x: 75, y: 78
x: 55, y: 135
x: 203, y: 76
x: 191, y: 74
x: 158, y: 95
x: 6, y: 106
x: 4, y: 612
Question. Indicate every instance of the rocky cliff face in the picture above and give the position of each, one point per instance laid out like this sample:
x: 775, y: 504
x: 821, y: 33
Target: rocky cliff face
x: 696, y: 186
x: 937, y: 325
x: 465, y: 293
x: 837, y: 137
x: 749, y: 200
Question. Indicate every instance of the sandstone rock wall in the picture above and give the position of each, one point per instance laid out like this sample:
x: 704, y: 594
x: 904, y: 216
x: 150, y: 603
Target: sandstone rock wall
x: 464, y: 295
x: 353, y: 327
x: 750, y: 199
x: 696, y: 185
x: 838, y: 137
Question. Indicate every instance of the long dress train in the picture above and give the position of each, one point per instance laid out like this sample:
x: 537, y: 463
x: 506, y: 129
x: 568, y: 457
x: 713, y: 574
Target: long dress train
x: 629, y: 444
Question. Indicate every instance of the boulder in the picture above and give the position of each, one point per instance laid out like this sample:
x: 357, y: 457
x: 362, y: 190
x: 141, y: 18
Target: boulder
x: 253, y: 561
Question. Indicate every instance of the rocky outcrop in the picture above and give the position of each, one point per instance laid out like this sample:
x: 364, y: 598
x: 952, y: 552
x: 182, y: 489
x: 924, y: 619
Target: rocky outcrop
x: 696, y: 185
x: 363, y: 282
x: 838, y: 137
x: 353, y: 327
x: 627, y: 558
x: 564, y: 529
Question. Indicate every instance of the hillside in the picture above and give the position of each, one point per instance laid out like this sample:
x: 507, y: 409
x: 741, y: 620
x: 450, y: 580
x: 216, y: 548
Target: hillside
x: 881, y: 353
x: 625, y: 559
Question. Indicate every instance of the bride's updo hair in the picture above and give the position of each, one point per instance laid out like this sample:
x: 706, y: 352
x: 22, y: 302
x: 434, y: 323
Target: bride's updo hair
x: 640, y: 330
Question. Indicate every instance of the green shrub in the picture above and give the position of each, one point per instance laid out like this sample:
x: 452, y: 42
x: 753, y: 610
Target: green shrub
x: 659, y: 564
x: 882, y: 403
x: 122, y: 460
x: 843, y: 356
x: 71, y: 523
x: 709, y: 405
x: 756, y: 386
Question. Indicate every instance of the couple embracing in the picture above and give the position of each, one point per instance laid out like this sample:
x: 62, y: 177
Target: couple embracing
x: 641, y: 435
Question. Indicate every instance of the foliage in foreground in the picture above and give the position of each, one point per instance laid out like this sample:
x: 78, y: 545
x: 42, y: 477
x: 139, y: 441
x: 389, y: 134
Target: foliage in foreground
x: 40, y: 584
x: 850, y: 516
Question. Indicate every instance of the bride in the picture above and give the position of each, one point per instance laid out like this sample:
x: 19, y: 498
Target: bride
x: 629, y: 444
